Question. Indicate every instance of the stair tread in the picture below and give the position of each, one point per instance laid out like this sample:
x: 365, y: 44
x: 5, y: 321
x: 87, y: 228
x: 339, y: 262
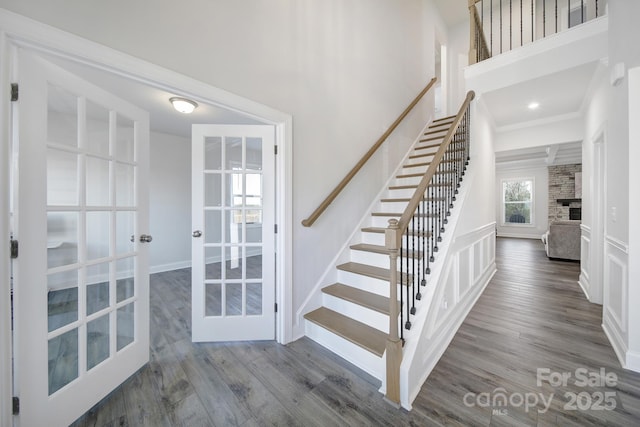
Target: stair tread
x: 370, y: 271
x: 405, y: 187
x: 382, y: 229
x: 407, y: 200
x: 365, y: 336
x: 398, y: 214
x: 366, y: 299
x: 444, y: 118
x: 378, y: 249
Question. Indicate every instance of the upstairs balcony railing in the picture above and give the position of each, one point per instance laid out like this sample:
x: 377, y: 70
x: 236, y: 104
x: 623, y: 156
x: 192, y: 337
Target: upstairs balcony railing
x: 498, y: 26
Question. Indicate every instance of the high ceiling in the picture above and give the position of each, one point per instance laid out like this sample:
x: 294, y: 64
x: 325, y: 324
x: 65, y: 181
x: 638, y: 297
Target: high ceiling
x: 453, y: 11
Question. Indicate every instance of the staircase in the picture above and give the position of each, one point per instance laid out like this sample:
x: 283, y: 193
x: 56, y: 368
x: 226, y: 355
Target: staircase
x: 354, y: 318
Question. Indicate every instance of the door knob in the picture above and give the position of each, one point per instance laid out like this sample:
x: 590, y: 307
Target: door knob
x: 145, y: 238
x: 197, y: 233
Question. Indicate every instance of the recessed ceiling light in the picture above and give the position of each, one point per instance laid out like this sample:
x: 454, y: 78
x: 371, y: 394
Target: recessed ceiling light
x: 533, y: 105
x: 183, y: 105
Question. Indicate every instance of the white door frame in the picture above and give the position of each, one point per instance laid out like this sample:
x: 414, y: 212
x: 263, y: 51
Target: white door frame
x: 18, y: 30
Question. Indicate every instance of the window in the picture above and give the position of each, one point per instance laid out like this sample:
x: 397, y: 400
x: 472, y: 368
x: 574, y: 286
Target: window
x: 517, y: 201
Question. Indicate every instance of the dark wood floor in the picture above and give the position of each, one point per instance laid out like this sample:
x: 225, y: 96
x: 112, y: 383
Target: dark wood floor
x: 531, y: 316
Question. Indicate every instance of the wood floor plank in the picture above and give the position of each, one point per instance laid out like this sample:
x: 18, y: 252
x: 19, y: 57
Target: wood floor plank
x: 532, y: 315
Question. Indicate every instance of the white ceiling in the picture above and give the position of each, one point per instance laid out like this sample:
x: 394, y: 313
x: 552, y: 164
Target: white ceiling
x: 453, y: 12
x: 546, y: 155
x: 163, y: 118
x: 558, y: 94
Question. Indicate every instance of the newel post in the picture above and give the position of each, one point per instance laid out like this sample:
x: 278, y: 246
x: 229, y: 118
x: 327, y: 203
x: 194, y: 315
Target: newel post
x: 394, y: 344
x: 473, y: 40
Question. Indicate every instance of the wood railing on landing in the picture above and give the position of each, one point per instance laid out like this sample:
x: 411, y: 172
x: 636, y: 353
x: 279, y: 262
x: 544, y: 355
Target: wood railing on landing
x: 497, y: 26
x: 336, y: 191
x: 421, y: 226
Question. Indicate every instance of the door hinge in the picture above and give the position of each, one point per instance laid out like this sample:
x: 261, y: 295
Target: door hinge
x: 14, y: 92
x: 275, y: 228
x: 16, y: 405
x: 275, y: 149
x: 14, y: 249
x: 276, y: 307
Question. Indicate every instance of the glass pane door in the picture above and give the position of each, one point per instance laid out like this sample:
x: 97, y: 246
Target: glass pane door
x: 233, y: 271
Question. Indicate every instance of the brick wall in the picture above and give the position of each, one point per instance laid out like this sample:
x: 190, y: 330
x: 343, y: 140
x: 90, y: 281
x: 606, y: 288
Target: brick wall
x: 562, y: 185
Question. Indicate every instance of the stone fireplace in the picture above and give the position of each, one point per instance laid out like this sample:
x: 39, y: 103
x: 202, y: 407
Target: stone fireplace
x: 564, y: 203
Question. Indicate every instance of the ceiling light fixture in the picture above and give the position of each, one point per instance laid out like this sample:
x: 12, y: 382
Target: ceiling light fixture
x: 534, y: 105
x: 183, y: 105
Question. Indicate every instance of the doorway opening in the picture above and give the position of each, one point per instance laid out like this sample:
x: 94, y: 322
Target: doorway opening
x: 126, y: 74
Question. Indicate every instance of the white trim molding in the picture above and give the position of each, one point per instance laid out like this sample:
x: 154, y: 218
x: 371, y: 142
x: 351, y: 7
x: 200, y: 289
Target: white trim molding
x: 615, y: 311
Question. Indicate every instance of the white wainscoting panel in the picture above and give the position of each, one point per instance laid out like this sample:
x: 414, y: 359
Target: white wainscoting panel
x: 615, y: 317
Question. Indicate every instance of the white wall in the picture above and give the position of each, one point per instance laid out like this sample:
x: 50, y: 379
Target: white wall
x: 170, y: 202
x: 343, y: 70
x: 620, y: 318
x: 540, y: 224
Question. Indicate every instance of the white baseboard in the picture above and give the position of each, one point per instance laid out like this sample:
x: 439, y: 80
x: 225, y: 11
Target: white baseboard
x: 169, y: 267
x: 633, y: 361
x: 616, y: 342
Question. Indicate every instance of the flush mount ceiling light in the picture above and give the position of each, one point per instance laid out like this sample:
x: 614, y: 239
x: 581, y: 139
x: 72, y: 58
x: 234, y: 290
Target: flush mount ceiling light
x: 534, y: 105
x: 183, y: 105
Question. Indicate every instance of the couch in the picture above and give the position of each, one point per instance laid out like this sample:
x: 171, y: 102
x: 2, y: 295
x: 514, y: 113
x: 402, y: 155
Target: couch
x: 563, y: 240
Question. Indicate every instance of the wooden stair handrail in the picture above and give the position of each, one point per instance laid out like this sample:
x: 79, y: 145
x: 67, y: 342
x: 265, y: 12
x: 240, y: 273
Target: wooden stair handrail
x: 332, y: 196
x: 403, y: 222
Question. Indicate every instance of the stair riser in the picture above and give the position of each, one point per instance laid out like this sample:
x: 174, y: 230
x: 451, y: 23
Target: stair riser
x: 370, y: 258
x: 367, y: 361
x: 373, y: 238
x: 365, y: 283
x: 391, y: 207
x: 413, y: 180
x: 354, y: 311
x: 381, y: 221
x: 400, y: 193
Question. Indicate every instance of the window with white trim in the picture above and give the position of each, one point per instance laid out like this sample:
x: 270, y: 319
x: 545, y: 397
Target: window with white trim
x: 517, y: 201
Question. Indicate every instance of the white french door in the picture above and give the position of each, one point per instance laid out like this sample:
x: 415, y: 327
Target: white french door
x: 233, y: 246
x: 81, y: 288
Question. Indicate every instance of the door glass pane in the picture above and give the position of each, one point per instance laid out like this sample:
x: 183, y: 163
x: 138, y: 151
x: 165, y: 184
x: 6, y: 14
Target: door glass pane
x: 235, y: 190
x: 233, y: 150
x: 254, y: 262
x: 213, y: 299
x: 212, y: 226
x: 212, y: 189
x: 62, y: 299
x: 233, y: 299
x: 254, y: 299
x: 253, y: 196
x: 125, y: 230
x: 97, y: 341
x: 254, y: 226
x: 97, y: 287
x: 125, y: 326
x: 62, y: 178
x: 125, y: 279
x: 233, y: 257
x: 254, y: 154
x: 213, y: 262
x: 62, y: 117
x: 212, y: 153
x: 98, y: 226
x: 125, y: 139
x: 62, y: 238
x: 98, y: 192
x: 97, y: 129
x: 233, y: 229
x: 63, y: 360
x: 125, y: 181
